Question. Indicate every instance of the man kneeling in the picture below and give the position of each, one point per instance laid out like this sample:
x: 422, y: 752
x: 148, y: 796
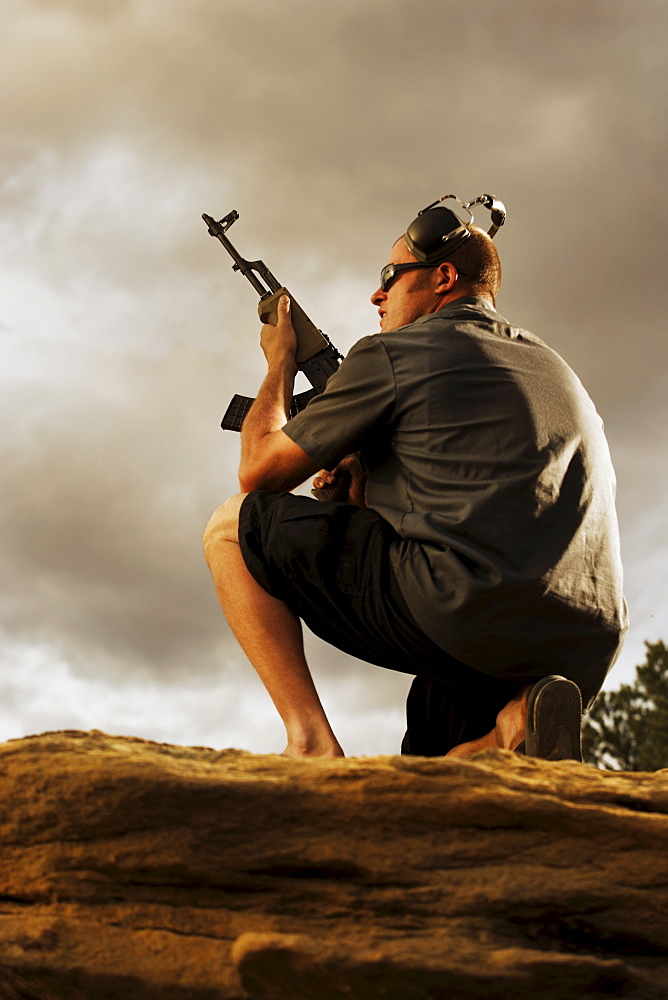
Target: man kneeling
x: 477, y: 545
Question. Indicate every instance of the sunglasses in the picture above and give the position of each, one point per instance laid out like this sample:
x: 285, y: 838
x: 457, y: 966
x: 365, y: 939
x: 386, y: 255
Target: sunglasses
x: 391, y: 272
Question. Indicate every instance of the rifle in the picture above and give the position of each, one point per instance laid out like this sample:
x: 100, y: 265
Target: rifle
x: 316, y: 355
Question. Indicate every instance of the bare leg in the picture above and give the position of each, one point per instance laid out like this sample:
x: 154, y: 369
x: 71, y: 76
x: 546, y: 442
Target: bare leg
x: 508, y: 732
x: 271, y: 636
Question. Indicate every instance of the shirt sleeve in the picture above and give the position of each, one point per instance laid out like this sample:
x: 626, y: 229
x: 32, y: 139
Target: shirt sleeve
x: 359, y: 398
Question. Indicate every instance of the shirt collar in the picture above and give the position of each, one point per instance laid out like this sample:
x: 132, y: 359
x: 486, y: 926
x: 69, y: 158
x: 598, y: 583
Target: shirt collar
x: 456, y: 304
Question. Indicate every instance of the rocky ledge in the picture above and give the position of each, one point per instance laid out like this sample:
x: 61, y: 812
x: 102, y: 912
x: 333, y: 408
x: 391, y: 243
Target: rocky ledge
x: 142, y: 871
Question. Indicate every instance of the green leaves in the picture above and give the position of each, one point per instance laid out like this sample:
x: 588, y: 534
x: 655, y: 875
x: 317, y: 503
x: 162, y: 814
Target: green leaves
x: 627, y: 730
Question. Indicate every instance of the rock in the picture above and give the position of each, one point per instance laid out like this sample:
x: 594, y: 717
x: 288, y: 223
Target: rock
x: 141, y: 871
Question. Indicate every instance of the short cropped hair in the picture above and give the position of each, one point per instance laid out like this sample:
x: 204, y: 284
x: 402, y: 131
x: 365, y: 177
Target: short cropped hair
x: 479, y: 263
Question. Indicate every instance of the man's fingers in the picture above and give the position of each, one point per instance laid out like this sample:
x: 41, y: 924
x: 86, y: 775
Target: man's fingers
x: 324, y: 478
x: 279, y: 341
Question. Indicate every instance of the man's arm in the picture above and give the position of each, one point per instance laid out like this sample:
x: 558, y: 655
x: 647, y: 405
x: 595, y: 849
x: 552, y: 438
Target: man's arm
x: 270, y: 460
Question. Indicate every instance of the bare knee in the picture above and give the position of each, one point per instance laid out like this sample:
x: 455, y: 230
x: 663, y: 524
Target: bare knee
x: 223, y: 525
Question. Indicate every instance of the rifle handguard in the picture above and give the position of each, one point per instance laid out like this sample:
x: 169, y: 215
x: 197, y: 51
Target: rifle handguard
x: 310, y: 340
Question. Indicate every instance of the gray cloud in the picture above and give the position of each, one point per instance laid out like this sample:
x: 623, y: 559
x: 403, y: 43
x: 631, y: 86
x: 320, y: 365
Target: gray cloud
x: 327, y: 127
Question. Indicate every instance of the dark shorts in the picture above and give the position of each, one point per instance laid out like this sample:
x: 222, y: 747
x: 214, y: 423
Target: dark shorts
x: 330, y: 562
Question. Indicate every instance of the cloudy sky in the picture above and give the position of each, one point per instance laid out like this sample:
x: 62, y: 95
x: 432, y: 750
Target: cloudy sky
x: 124, y: 331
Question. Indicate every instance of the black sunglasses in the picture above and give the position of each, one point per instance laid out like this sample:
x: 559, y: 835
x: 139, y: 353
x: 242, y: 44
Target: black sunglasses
x: 391, y: 272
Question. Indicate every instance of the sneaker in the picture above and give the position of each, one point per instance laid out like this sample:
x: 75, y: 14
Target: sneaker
x: 554, y: 720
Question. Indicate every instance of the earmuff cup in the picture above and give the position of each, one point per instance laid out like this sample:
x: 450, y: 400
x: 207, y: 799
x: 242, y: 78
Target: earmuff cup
x: 435, y: 234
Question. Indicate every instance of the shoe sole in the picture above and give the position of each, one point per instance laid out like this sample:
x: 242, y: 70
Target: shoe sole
x: 554, y: 720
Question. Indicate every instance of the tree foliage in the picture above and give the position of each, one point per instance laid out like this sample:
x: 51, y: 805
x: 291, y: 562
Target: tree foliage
x: 627, y: 730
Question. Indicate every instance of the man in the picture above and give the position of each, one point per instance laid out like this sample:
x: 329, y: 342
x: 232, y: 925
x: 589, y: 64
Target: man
x: 478, y: 549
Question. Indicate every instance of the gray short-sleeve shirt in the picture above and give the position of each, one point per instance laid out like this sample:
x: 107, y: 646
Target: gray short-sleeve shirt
x: 487, y: 456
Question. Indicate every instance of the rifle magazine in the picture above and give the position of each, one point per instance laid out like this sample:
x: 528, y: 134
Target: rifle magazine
x: 235, y: 414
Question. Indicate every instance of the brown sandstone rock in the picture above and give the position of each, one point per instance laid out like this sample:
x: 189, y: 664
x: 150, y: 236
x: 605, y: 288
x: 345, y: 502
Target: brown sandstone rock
x: 142, y: 871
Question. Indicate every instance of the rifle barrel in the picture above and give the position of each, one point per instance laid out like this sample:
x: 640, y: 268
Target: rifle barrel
x: 240, y: 263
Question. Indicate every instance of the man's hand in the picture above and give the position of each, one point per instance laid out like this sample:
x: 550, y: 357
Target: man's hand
x: 279, y: 342
x: 269, y: 459
x: 348, y: 467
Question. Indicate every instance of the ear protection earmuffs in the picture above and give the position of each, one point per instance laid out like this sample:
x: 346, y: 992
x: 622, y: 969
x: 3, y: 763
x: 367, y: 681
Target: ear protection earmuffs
x: 437, y: 231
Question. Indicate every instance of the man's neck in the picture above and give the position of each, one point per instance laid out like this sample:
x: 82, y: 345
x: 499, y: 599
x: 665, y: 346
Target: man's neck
x: 463, y: 293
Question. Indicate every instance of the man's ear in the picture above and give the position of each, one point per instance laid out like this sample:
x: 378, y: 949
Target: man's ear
x: 447, y: 277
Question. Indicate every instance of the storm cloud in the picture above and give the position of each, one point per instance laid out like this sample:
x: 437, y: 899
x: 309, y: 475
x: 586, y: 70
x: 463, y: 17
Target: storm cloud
x: 124, y: 331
